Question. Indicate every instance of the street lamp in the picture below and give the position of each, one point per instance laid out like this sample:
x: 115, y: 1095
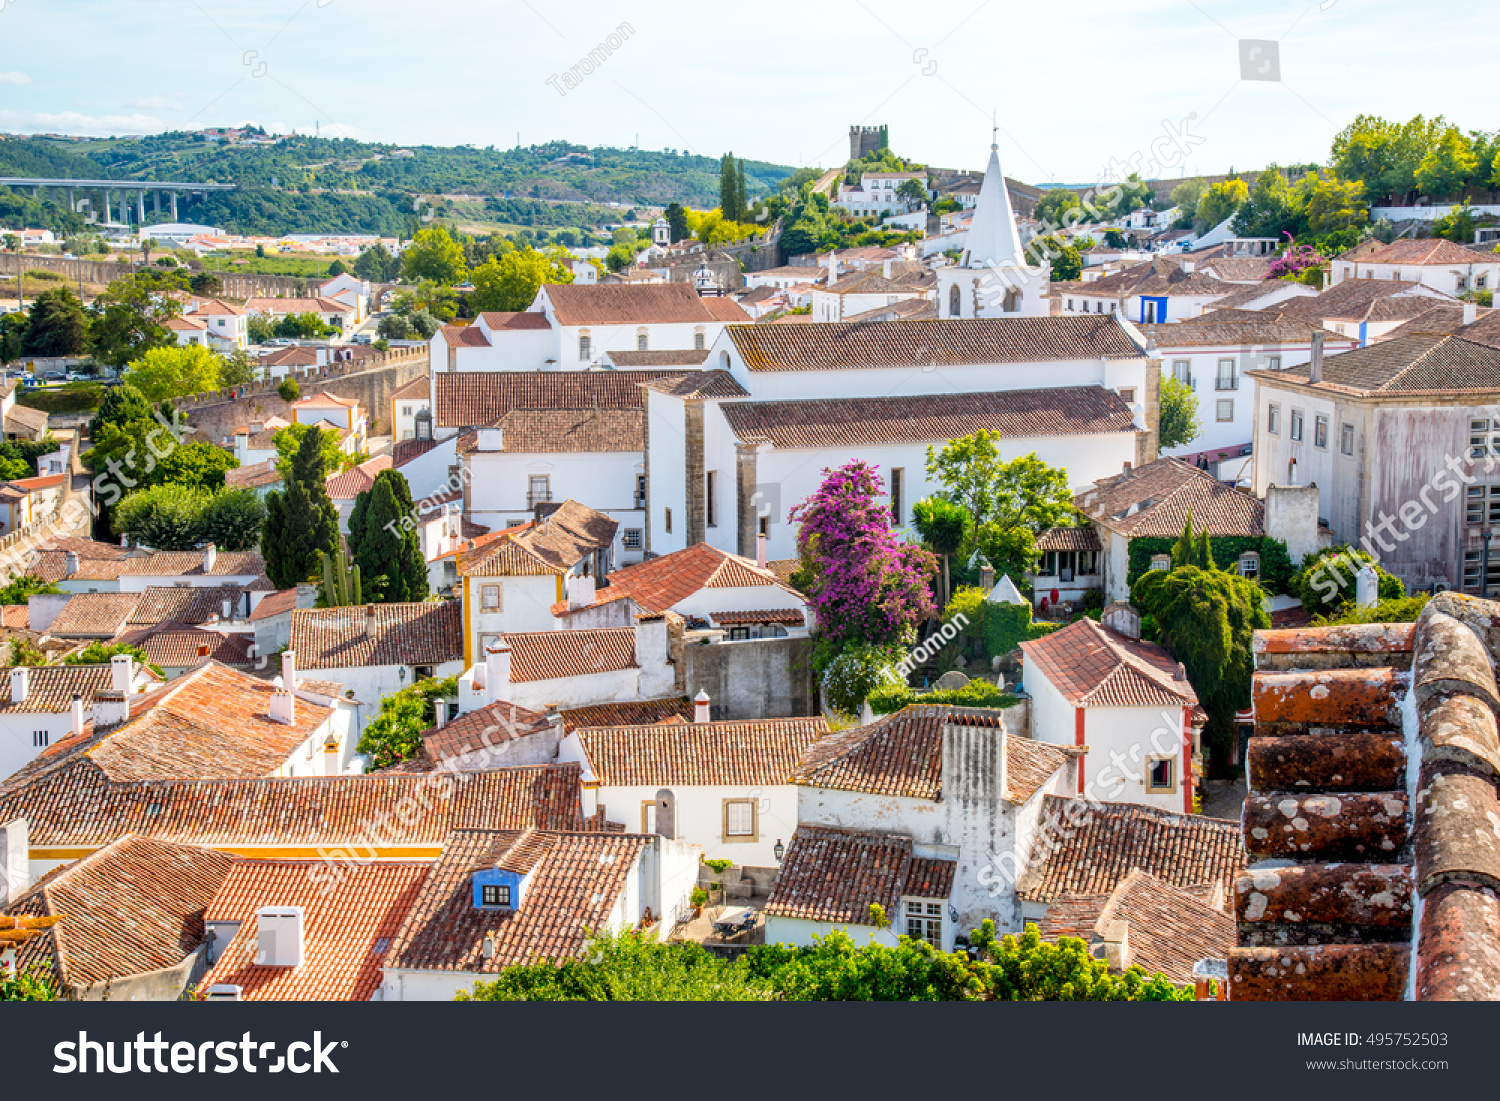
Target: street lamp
x: 777, y: 849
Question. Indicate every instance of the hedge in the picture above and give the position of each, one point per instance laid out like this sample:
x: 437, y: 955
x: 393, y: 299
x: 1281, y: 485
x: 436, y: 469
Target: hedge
x: 1276, y: 567
x: 1006, y: 626
x: 977, y: 693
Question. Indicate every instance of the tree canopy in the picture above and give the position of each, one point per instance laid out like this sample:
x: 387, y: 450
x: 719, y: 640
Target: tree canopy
x: 510, y: 282
x: 383, y: 540
x: 1177, y: 422
x: 301, y: 522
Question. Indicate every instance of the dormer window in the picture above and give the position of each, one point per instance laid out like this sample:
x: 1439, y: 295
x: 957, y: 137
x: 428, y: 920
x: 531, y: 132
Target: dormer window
x: 495, y: 894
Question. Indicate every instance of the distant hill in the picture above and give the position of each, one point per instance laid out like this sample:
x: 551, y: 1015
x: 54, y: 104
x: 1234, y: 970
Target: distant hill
x: 303, y: 184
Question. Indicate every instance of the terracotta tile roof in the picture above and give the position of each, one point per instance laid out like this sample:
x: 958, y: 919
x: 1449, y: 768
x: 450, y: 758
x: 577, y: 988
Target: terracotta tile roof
x: 44, y: 481
x: 628, y: 713
x: 1089, y: 848
x: 1169, y: 929
x: 574, y: 882
x: 871, y: 283
x: 132, y: 907
x: 902, y: 755
x: 80, y: 807
x: 186, y: 604
x: 789, y: 616
x: 1068, y: 410
x: 749, y: 752
x: 96, y: 561
x: 1245, y: 295
x: 93, y: 615
x: 1068, y: 539
x: 277, y: 603
x: 518, y: 321
x: 1417, y: 365
x: 931, y: 343
x: 15, y: 617
x: 357, y: 479
x: 784, y: 568
x: 665, y: 357
x: 34, y: 419
x: 627, y: 304
x: 833, y: 875
x: 716, y: 383
x: 1351, y: 299
x: 464, y: 336
x: 469, y: 398
x: 50, y: 689
x: 503, y: 557
x: 175, y: 646
x: 548, y: 655
x: 423, y: 633
x: 404, y: 451
x: 568, y: 534
x: 190, y: 564
x: 481, y: 728
x: 263, y: 473
x: 347, y: 929
x: 912, y: 309
x: 662, y: 583
x: 1429, y: 251
x: 1215, y: 330
x: 1093, y: 666
x: 415, y: 390
x: 1155, y: 499
x: 1444, y: 319
x: 725, y: 309
x: 543, y: 431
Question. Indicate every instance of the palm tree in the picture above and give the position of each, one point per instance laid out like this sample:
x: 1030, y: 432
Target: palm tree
x: 941, y: 524
x: 147, y: 244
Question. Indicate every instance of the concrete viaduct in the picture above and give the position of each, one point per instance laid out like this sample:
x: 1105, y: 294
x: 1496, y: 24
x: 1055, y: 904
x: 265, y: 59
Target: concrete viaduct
x: 43, y: 188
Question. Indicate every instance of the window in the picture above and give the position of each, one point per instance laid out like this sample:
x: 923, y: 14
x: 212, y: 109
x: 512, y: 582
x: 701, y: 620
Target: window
x: 494, y: 894
x: 406, y: 410
x: 1474, y: 566
x: 1161, y: 775
x: 1161, y: 562
x: 540, y: 489
x: 1346, y: 438
x: 407, y: 433
x: 1070, y: 303
x: 1273, y: 419
x: 1482, y: 507
x: 698, y: 340
x: 1249, y: 565
x: 739, y: 819
x: 630, y: 539
x: 1273, y: 363
x: 1224, y: 409
x: 764, y: 527
x: 39, y: 739
x: 667, y: 522
x: 640, y: 491
x: 1228, y: 377
x: 585, y: 346
x: 711, y: 497
x: 1320, y: 431
x: 924, y: 921
x: 642, y: 342
x: 1482, y: 441
x: 1149, y: 308
x: 1296, y: 428
x: 1182, y: 371
x: 1481, y: 281
x: 898, y: 477
x: 953, y: 300
x: 1127, y: 395
x: 490, y: 598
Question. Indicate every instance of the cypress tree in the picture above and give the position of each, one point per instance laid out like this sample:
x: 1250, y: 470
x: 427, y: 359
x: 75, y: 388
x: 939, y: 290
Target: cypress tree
x: 726, y: 185
x: 1183, y: 553
x: 389, y: 555
x: 741, y: 199
x: 301, y: 522
x: 1205, y: 557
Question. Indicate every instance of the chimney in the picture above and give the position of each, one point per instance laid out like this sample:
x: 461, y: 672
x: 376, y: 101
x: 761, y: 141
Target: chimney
x: 72, y: 563
x: 279, y: 940
x: 15, y: 860
x: 1315, y: 364
x: 760, y: 549
x: 581, y: 591
x: 1180, y: 673
x: 1471, y: 312
x: 372, y: 628
x: 20, y: 682
x: 289, y: 670
x: 283, y: 707
x: 885, y: 269
x: 210, y: 556
x: 701, y: 710
x: 1188, y: 267
x: 121, y: 672
x: 497, y: 671
x: 227, y: 607
x: 651, y: 641
x: 1126, y: 468
x: 1113, y: 946
x: 77, y: 713
x: 987, y: 577
x: 833, y: 269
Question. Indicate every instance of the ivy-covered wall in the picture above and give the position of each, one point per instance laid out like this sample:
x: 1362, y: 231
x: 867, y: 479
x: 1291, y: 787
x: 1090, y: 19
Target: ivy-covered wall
x: 1276, y: 567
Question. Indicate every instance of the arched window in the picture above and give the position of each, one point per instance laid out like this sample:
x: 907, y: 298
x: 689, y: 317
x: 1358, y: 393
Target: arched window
x: 1012, y: 300
x: 953, y: 300
x: 724, y: 360
x: 585, y: 346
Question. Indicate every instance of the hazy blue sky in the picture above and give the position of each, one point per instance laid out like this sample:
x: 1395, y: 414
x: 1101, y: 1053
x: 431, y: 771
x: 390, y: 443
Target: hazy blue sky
x: 778, y: 81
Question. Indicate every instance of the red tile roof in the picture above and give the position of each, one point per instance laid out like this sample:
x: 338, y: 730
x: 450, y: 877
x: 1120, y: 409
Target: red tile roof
x: 348, y: 926
x: 1061, y: 411
x: 543, y: 431
x: 1068, y: 539
x: 350, y: 483
x: 50, y: 688
x: 737, y: 752
x: 422, y: 633
x: 628, y: 713
x: 834, y: 875
x: 1420, y: 365
x: 790, y: 616
x: 1093, y: 666
x: 1156, y: 499
x: 1426, y: 252
x: 480, y: 729
x: 134, y: 906
x: 548, y: 655
x: 469, y: 398
x: 526, y: 319
x: 628, y: 304
x: 662, y: 583
x: 93, y: 615
x: 277, y: 603
x: 180, y: 646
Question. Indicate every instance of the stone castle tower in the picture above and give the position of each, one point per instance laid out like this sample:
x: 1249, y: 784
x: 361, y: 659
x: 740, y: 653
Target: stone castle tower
x: 867, y: 139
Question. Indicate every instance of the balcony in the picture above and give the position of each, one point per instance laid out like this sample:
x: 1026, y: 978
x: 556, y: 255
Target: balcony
x: 1226, y: 384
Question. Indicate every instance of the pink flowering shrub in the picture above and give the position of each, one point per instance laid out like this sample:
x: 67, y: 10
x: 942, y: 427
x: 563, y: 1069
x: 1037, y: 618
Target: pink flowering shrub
x: 1294, y: 261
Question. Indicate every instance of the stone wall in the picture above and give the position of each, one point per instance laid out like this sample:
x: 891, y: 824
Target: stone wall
x: 768, y: 678
x: 235, y: 284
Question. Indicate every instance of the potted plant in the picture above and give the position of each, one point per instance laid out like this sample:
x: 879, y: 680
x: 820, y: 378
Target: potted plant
x: 698, y: 898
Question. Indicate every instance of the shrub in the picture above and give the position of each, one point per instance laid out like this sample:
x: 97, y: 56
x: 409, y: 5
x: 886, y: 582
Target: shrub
x: 889, y: 698
x: 1406, y: 609
x: 1326, y: 582
x: 1276, y: 567
x: 852, y: 675
x: 289, y: 390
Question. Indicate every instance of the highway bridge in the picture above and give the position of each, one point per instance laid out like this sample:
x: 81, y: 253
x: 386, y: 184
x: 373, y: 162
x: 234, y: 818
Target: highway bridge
x: 106, y: 189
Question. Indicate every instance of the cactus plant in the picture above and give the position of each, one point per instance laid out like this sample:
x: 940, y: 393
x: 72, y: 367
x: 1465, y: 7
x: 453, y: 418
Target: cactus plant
x: 341, y: 586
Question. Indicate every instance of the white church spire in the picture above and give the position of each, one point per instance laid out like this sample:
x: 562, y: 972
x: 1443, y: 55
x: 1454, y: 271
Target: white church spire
x: 993, y: 237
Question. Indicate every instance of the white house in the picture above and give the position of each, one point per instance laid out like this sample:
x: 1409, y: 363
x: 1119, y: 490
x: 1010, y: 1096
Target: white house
x: 1126, y: 703
x: 349, y: 290
x: 837, y: 300
x: 342, y: 414
x: 878, y: 193
x: 1433, y: 262
x: 1366, y: 309
x: 227, y: 326
x: 37, y: 704
x: 376, y: 649
x: 722, y: 786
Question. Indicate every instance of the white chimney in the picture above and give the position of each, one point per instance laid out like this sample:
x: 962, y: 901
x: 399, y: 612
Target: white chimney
x: 227, y: 606
x: 1471, y: 312
x: 651, y: 642
x: 1315, y: 364
x: 283, y: 707
x: 121, y: 672
x: 497, y: 671
x: 581, y: 591
x: 279, y: 940
x: 1188, y: 267
x: 760, y: 549
x: 289, y: 670
x: 701, y: 710
x: 210, y: 556
x: 885, y: 269
x: 833, y: 269
x: 372, y: 627
x: 72, y: 563
x: 15, y: 860
x: 20, y: 684
x: 77, y: 714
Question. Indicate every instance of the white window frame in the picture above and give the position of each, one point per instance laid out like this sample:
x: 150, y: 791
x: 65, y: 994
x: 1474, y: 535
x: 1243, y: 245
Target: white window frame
x: 485, y: 603
x: 1219, y: 406
x: 1273, y: 418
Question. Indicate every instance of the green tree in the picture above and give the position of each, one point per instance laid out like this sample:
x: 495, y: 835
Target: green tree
x: 395, y: 733
x: 176, y: 372
x: 376, y: 265
x: 198, y: 465
x: 301, y: 522
x: 206, y: 284
x: 1067, y: 263
x: 1219, y: 202
x: 387, y: 549
x: 940, y: 523
x: 289, y: 441
x: 1448, y: 166
x: 1056, y: 205
x: 913, y: 191
x: 1325, y: 582
x: 336, y: 268
x: 677, y: 222
x: 1335, y: 204
x: 511, y: 282
x: 1206, y: 618
x: 1029, y: 969
x: 232, y: 519
x: 1185, y: 195
x: 130, y: 318
x: 1000, y: 495
x: 1177, y: 422
x: 12, y: 336
x: 57, y: 325
x: 99, y: 653
x: 238, y: 369
x: 164, y: 517
x: 434, y: 254
x: 26, y: 585
x: 619, y: 257
x: 302, y: 326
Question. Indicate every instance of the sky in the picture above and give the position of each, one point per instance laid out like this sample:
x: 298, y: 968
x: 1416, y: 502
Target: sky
x: 1158, y: 85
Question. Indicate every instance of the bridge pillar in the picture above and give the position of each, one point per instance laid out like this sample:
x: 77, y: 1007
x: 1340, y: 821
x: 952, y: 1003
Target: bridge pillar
x: 72, y: 206
x: 140, y: 208
x: 173, y: 195
x: 156, y: 202
x: 124, y: 209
